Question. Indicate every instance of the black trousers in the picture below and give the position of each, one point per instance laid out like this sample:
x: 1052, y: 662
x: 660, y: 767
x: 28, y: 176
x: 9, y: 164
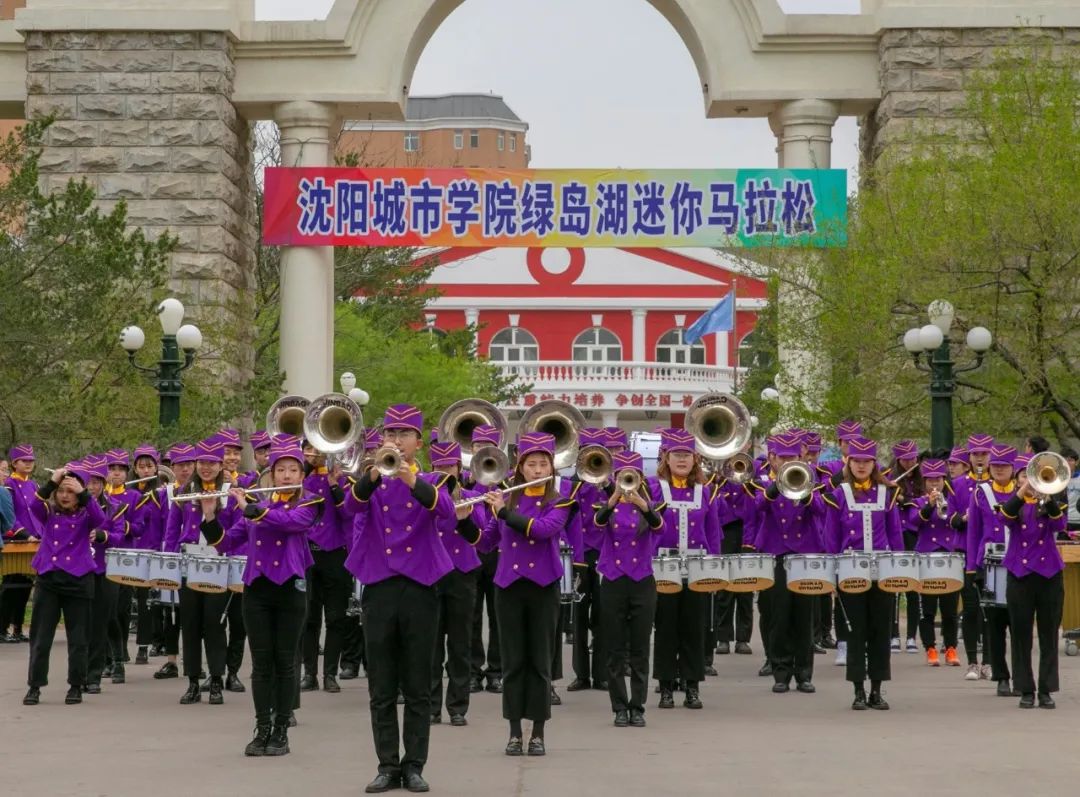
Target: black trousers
x: 823, y: 617
x: 14, y: 595
x: 1035, y: 601
x: 329, y: 588
x: 201, y: 622
x: 628, y: 609
x: 400, y: 620
x: 587, y: 614
x: 528, y: 617
x: 453, y: 642
x: 733, y: 618
x: 120, y: 624
x: 679, y: 642
x: 102, y: 610
x: 997, y: 626
x: 791, y: 641
x: 949, y: 605
x: 765, y: 620
x: 275, y: 614
x: 237, y: 635
x: 352, y: 645
x: 973, y: 622
x: 870, y: 615
x: 167, y: 628
x: 485, y: 597
x: 556, y: 652
x: 144, y: 622
x: 57, y: 593
x: 914, y: 607
x: 843, y: 625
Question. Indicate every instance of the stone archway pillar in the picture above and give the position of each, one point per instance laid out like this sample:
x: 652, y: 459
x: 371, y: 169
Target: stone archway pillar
x: 307, y: 272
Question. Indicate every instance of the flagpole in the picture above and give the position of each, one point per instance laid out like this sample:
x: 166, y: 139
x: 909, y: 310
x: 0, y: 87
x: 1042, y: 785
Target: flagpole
x: 733, y: 346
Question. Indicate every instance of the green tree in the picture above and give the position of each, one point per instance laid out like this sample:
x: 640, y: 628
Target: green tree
x: 760, y: 358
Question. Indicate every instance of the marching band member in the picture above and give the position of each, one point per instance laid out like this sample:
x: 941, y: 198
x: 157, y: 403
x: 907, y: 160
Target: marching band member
x: 527, y: 527
x: 571, y: 539
x: 119, y: 470
x: 823, y: 604
x: 232, y: 452
x: 457, y: 597
x: 201, y: 612
x: 765, y: 477
x: 692, y: 520
x: 15, y: 591
x: 260, y: 449
x: 986, y: 524
x: 734, y: 611
x: 485, y: 435
x: 106, y: 592
x: 329, y: 584
x: 630, y: 525
x: 273, y: 534
x: 353, y: 659
x: 862, y: 516
x: 1035, y: 590
x: 397, y: 556
x: 785, y: 527
x: 963, y: 482
x: 67, y: 517
x: 166, y: 619
x: 846, y: 431
x: 147, y: 531
x: 906, y: 456
x: 929, y: 517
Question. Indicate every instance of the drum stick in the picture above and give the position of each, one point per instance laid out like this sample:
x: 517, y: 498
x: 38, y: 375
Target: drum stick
x: 843, y: 610
x: 225, y: 611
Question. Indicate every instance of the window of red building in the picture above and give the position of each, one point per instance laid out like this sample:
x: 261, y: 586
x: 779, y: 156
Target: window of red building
x: 672, y: 348
x: 512, y: 345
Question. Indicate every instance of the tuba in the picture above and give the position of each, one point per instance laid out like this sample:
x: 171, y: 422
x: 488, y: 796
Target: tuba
x: 1048, y: 474
x: 490, y: 465
x: 333, y: 424
x: 460, y: 418
x: 286, y: 416
x: 795, y: 480
x: 720, y: 424
x: 594, y: 465
x: 562, y: 421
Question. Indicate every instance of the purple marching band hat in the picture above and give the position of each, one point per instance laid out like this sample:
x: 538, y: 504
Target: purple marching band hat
x: 627, y: 459
x: 486, y: 434
x: 848, y: 430
x: 228, y: 437
x: 535, y: 441
x: 906, y: 449
x: 812, y: 441
x: 209, y: 450
x: 980, y: 444
x: 259, y: 439
x: 117, y: 456
x: 94, y: 465
x: 1021, y: 462
x: 1002, y: 455
x: 591, y: 436
x: 404, y: 416
x: 181, y: 452
x: 372, y: 438
x: 287, y: 447
x: 677, y: 440
x: 785, y: 444
x: 959, y: 454
x: 146, y: 450
x: 861, y: 448
x: 933, y: 468
x: 615, y: 436
x: 445, y: 454
x: 21, y: 451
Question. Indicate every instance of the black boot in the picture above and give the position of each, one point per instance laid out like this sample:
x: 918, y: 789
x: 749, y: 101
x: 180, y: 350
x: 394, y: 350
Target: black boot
x: 73, y: 696
x: 233, y: 683
x: 118, y: 674
x: 257, y: 746
x: 859, y: 703
x: 278, y: 743
x: 33, y: 695
x: 309, y: 683
x: 168, y: 670
x: 667, y: 699
x: 216, y: 696
x: 141, y: 656
x: 192, y: 695
x: 876, y: 701
x: 692, y: 699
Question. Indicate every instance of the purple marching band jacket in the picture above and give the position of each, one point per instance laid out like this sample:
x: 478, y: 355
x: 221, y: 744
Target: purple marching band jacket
x: 332, y: 530
x: 985, y: 521
x: 935, y: 534
x: 65, y: 536
x: 863, y: 517
x: 184, y: 523
x: 1032, y: 546
x: 963, y: 487
x: 117, y: 525
x: 779, y: 525
x: 693, y: 514
x: 630, y: 534
x: 23, y: 498
x: 460, y: 544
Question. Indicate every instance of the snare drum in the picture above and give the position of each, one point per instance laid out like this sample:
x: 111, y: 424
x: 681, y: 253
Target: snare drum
x: 208, y: 573
x: 993, y: 591
x: 810, y: 573
x: 667, y: 570
x: 751, y: 572
x: 128, y: 566
x: 855, y: 571
x: 236, y: 573
x: 898, y: 571
x: 567, y: 593
x: 941, y: 573
x: 707, y: 573
x: 166, y: 570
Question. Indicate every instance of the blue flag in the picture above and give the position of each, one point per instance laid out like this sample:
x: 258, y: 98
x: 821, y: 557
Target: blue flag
x: 720, y: 319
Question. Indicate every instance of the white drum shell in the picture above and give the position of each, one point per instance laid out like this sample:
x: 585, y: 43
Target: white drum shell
x: 128, y: 566
x: 941, y: 573
x: 208, y: 573
x: 810, y: 574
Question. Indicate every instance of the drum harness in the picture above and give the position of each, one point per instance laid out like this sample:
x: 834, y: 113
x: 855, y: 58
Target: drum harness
x: 866, y: 510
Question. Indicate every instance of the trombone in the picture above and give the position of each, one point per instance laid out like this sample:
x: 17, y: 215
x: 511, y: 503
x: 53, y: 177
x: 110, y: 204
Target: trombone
x: 505, y: 491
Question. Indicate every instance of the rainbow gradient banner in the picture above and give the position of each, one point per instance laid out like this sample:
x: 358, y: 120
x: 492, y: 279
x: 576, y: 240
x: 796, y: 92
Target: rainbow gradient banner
x: 555, y: 207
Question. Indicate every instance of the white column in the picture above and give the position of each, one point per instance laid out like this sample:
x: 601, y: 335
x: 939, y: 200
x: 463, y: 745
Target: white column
x: 609, y: 418
x: 804, y: 136
x: 307, y: 272
x: 722, y: 352
x: 472, y: 319
x: 638, y: 336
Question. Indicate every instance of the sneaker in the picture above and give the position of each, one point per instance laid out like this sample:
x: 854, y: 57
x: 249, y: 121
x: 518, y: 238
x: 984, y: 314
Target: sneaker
x: 985, y: 672
x: 894, y: 646
x: 932, y: 658
x: 841, y: 654
x: 911, y: 646
x: 972, y: 673
x: 951, y: 658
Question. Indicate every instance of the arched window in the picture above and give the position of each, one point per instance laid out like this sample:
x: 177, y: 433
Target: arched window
x: 512, y: 345
x: 597, y: 345
x: 672, y: 348
x: 753, y: 353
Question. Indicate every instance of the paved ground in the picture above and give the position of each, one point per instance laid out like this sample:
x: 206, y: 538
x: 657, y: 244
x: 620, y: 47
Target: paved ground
x: 943, y: 735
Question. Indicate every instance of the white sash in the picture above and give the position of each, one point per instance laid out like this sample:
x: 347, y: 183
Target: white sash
x: 867, y: 511
x: 991, y: 499
x: 683, y: 508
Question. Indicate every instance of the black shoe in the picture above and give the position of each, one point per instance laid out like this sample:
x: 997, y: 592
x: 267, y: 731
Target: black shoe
x: 205, y: 685
x: 106, y: 671
x: 234, y: 684
x: 309, y: 683
x: 73, y: 696
x: 743, y: 648
x: 141, y: 656
x: 555, y: 699
x: 383, y: 782
x: 766, y: 670
x: 414, y: 782
x: 859, y: 703
x: 578, y: 684
x: 257, y: 746
x: 118, y: 674
x: 1003, y: 689
x: 1045, y: 701
x: 805, y: 687
x: 330, y: 684
x: 436, y: 719
x: 33, y: 696
x: 192, y: 695
x: 168, y: 670
x: 828, y: 643
x: 667, y: 699
x: 1027, y: 701
x: 723, y: 648
x: 92, y: 689
x: 217, y: 697
x: 780, y: 687
x: 600, y: 686
x: 877, y: 702
x: 513, y: 747
x: 710, y: 670
x: 637, y: 718
x: 819, y: 648
x: 292, y: 720
x: 475, y: 685
x: 536, y: 746
x: 692, y: 699
x: 622, y: 719
x: 278, y: 743
x: 494, y: 684
x: 458, y: 720
x: 348, y: 674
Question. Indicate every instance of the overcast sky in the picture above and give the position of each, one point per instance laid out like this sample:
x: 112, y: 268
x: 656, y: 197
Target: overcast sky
x: 623, y: 92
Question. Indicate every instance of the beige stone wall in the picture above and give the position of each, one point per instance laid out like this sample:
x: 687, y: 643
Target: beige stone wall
x: 147, y: 118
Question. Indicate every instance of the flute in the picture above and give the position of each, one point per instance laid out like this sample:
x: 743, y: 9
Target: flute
x: 225, y: 493
x: 506, y: 491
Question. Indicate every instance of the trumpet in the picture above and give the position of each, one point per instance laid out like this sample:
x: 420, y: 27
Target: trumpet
x: 628, y: 481
x: 489, y: 465
x: 594, y: 465
x: 387, y: 460
x: 738, y: 468
x: 506, y: 491
x: 1048, y: 474
x: 941, y: 506
x: 795, y: 480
